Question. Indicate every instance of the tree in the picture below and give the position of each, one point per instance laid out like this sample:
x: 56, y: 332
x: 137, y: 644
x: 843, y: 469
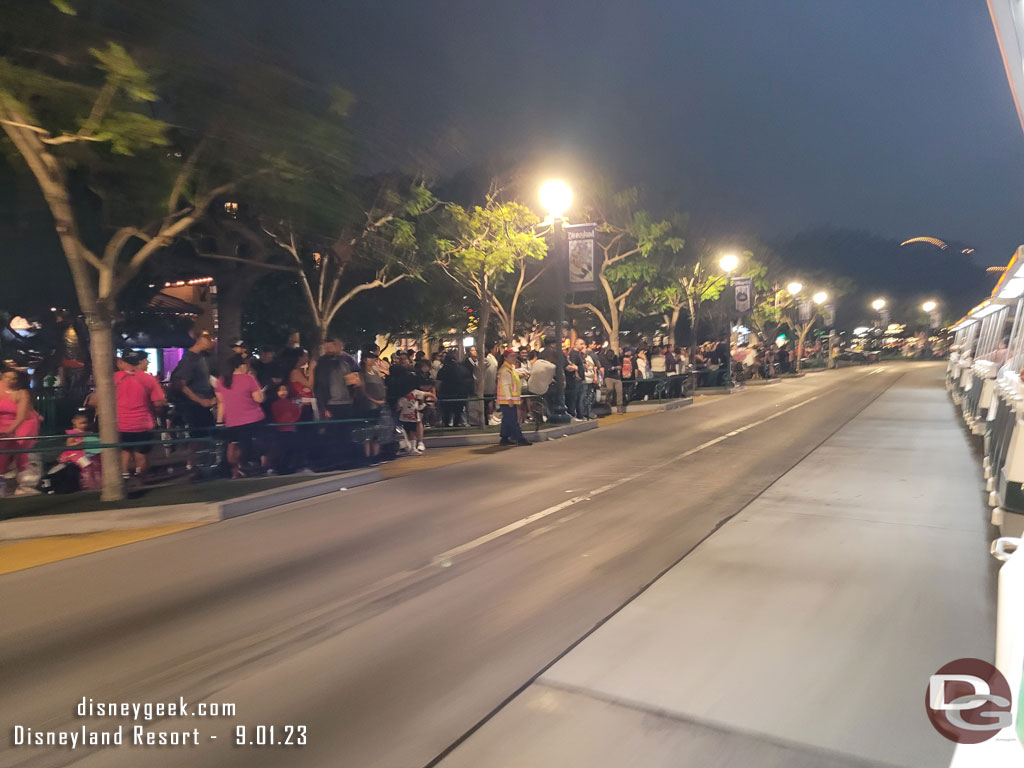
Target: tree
x: 626, y: 237
x: 111, y: 126
x: 686, y: 284
x: 489, y: 244
x: 380, y: 246
x: 121, y: 184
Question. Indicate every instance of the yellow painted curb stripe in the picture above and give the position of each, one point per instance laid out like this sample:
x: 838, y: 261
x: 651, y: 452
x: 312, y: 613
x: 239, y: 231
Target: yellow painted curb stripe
x: 19, y: 555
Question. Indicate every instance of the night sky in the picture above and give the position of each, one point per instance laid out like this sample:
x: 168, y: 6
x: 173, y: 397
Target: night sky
x: 770, y: 117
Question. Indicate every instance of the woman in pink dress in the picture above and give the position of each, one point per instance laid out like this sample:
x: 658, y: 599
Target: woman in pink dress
x: 18, y: 419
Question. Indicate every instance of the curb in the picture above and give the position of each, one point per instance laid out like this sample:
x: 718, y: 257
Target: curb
x: 491, y: 438
x: 718, y: 390
x: 658, y: 406
x: 200, y: 513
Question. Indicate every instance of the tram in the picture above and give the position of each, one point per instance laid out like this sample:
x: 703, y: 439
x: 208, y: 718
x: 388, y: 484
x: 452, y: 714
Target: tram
x: 984, y: 379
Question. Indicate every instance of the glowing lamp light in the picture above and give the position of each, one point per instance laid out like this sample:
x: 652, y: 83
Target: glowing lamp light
x: 468, y: 342
x: 820, y: 297
x: 878, y: 305
x: 929, y: 306
x: 794, y: 288
x: 555, y: 198
x: 729, y: 262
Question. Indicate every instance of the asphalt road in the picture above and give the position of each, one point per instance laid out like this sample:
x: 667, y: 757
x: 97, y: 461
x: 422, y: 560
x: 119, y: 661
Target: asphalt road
x: 390, y: 619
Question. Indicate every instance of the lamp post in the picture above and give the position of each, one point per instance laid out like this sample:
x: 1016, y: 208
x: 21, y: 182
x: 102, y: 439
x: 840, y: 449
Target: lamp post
x: 728, y: 263
x: 931, y: 307
x: 555, y: 199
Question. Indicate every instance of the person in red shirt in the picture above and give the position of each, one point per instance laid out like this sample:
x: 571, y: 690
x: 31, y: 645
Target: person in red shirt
x: 284, y: 412
x: 138, y: 396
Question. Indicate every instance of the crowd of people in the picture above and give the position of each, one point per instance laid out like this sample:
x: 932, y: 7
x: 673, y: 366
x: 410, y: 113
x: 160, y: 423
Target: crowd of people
x: 291, y: 411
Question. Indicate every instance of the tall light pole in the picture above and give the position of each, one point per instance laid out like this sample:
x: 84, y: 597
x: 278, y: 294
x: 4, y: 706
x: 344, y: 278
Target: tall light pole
x: 931, y: 307
x: 555, y: 199
x: 729, y: 262
x: 879, y: 306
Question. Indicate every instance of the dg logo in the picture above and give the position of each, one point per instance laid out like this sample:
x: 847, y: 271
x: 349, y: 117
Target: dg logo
x: 968, y: 701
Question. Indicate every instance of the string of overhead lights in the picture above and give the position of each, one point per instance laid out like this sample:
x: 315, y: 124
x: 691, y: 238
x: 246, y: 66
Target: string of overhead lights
x: 194, y: 281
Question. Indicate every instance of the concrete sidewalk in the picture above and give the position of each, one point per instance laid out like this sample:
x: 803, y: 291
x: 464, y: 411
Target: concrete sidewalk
x: 801, y: 633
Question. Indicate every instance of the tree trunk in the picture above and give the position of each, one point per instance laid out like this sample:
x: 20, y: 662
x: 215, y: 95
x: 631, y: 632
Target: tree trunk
x: 230, y: 307
x: 316, y: 343
x: 673, y: 322
x: 101, y: 348
x: 477, y: 412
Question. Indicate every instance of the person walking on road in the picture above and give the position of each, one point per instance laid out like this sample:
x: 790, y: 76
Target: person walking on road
x: 509, y: 397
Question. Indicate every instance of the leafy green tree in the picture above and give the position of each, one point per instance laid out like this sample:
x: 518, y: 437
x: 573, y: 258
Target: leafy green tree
x: 488, y: 245
x: 379, y: 243
x: 127, y: 165
x: 104, y: 119
x: 627, y: 236
x: 685, y: 284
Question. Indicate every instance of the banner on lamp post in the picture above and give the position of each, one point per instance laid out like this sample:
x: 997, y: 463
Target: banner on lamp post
x: 806, y: 308
x: 829, y: 315
x: 744, y: 289
x: 582, y: 267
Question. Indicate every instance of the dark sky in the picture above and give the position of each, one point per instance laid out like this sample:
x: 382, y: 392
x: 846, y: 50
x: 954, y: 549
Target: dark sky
x: 776, y: 116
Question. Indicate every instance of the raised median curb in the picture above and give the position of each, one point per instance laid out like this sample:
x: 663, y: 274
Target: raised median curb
x: 489, y: 438
x: 718, y: 390
x: 654, y: 406
x: 200, y: 513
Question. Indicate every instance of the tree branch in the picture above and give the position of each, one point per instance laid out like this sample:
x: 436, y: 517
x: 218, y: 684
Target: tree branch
x: 184, y: 174
x: 250, y: 262
x: 119, y: 241
x: 378, y: 283
x: 596, y: 312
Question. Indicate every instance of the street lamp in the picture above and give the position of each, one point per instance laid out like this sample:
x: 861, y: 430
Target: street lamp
x: 883, y: 314
x: 794, y: 288
x: 820, y: 298
x: 729, y: 262
x: 556, y: 197
x: 929, y: 306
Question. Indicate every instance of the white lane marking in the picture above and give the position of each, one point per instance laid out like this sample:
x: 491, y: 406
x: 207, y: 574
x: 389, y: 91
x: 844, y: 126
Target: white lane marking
x: 462, y: 549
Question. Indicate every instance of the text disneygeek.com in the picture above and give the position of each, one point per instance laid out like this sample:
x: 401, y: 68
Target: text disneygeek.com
x: 138, y: 734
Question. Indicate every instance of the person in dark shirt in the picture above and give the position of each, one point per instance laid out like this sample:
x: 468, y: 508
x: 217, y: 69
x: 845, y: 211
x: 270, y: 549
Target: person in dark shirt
x: 456, y: 386
x: 191, y: 381
x: 613, y: 380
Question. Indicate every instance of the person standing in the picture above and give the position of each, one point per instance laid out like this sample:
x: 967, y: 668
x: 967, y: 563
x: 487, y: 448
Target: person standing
x: 332, y: 386
x: 18, y: 419
x: 138, y: 395
x: 491, y: 383
x: 509, y: 397
x: 574, y: 379
x: 613, y: 380
x: 191, y: 378
x: 586, y: 375
x: 240, y: 409
x: 373, y: 397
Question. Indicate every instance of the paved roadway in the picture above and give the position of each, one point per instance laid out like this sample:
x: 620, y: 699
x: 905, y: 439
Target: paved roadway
x: 391, y: 619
